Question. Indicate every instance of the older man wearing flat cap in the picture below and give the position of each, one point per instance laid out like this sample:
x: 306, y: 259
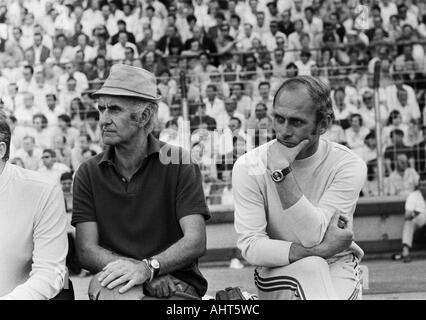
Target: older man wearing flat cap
x: 140, y: 222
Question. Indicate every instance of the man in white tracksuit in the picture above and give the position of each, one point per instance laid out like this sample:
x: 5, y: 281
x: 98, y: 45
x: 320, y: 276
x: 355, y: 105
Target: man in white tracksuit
x: 294, y: 201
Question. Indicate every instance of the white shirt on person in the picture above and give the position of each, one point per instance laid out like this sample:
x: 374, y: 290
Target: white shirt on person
x: 416, y: 202
x: 394, y: 104
x: 403, y: 185
x: 355, y: 140
x: 31, y: 161
x: 117, y: 51
x: 81, y: 79
x: 89, y: 52
x: 331, y: 179
x: 54, y: 173
x: 25, y: 115
x: 214, y: 109
x: 33, y: 240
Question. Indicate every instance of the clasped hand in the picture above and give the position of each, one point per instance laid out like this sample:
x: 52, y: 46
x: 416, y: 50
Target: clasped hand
x: 121, y: 271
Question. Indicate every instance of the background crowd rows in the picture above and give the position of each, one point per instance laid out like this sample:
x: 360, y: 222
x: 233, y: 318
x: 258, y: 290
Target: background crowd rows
x: 227, y: 58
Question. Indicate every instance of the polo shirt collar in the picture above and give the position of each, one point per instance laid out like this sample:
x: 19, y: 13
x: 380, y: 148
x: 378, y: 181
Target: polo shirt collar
x: 153, y: 147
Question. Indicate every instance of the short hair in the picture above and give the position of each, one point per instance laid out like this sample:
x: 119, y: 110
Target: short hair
x: 30, y: 68
x: 51, y: 95
x: 237, y: 119
x: 211, y: 85
x: 356, y: 115
x: 51, y: 152
x: 5, y: 136
x: 66, y: 176
x: 43, y: 118
x: 318, y: 91
x: 235, y: 16
x: 66, y: 118
x: 264, y: 83
x: 397, y: 132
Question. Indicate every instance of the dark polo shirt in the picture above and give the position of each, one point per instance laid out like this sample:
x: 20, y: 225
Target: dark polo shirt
x: 140, y: 218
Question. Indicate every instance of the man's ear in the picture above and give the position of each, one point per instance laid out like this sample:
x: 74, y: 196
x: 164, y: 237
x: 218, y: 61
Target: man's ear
x: 323, y: 125
x: 146, y: 115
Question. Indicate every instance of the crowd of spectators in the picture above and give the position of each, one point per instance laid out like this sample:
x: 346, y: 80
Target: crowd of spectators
x: 226, y: 59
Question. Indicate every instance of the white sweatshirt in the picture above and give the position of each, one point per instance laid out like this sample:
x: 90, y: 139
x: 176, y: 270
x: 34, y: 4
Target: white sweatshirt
x: 330, y: 180
x: 33, y: 239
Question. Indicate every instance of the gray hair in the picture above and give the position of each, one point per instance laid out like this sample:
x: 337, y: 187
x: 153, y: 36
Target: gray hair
x: 318, y: 91
x: 141, y: 105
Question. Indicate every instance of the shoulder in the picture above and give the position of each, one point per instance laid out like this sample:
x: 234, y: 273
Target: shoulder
x: 343, y: 155
x: 31, y: 183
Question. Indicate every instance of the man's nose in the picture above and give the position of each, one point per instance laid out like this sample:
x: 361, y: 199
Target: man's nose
x: 104, y: 118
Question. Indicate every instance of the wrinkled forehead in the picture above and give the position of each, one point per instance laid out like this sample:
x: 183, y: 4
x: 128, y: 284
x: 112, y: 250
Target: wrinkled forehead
x: 107, y: 100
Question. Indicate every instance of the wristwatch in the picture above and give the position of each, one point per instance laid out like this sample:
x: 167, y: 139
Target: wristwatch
x: 153, y: 266
x: 279, y: 175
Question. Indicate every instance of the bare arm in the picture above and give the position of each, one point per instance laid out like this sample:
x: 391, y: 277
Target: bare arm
x: 91, y: 255
x: 188, y: 248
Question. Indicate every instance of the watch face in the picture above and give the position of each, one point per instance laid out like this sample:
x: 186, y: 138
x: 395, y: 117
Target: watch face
x: 155, y: 264
x: 277, y: 176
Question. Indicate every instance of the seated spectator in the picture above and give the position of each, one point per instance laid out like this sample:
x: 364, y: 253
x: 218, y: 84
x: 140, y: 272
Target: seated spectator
x: 80, y: 78
x: 29, y: 153
x: 84, y: 144
x: 394, y: 122
x: 88, y: 51
x: 122, y: 27
x: 27, y: 81
x: 171, y: 135
x: 305, y: 63
x: 414, y: 218
x: 342, y: 109
x: 68, y: 94
x: 367, y: 110
x: 201, y: 118
x: 42, y: 133
x: 92, y: 127
x: 62, y: 150
x: 243, y: 101
x: 414, y: 134
x: 397, y: 147
x: 99, y: 73
x: 402, y: 180
x: 335, y: 133
x: 215, y: 107
x: 51, y: 169
x: 291, y: 70
x: 25, y: 113
x: 371, y: 187
x: 409, y: 99
x: 204, y: 69
x: 356, y: 133
x: 118, y: 50
x: 65, y: 129
x: 368, y: 151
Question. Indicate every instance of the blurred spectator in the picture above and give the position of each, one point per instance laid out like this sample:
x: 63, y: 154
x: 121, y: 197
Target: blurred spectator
x: 397, y: 147
x: 402, y: 179
x: 29, y: 153
x: 92, y: 127
x: 243, y: 101
x: 50, y: 168
x: 25, y: 113
x: 414, y: 218
x: 371, y: 188
x: 356, y: 133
